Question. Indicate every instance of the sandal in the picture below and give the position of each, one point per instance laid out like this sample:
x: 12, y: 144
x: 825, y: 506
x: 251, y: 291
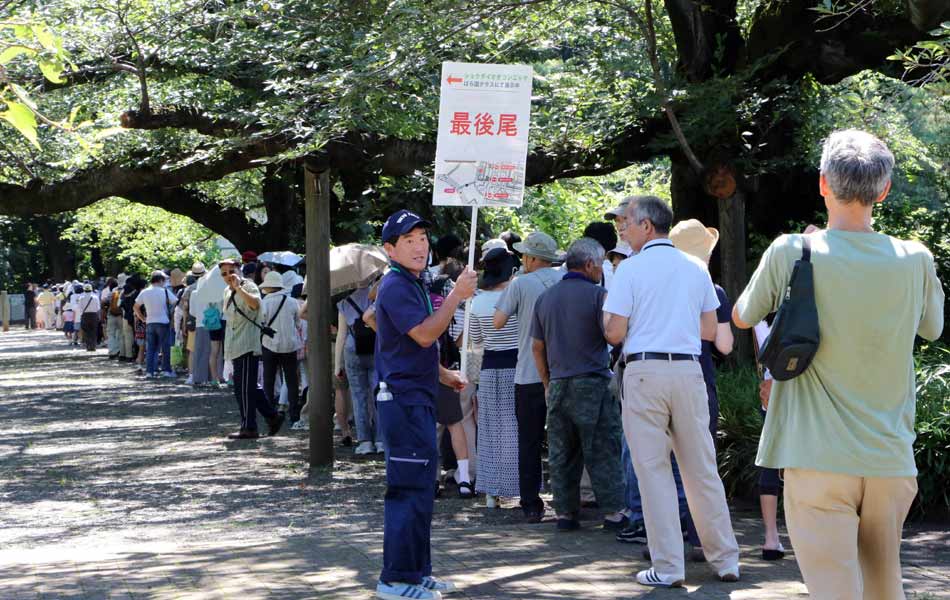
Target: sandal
x: 466, y: 490
x: 773, y: 553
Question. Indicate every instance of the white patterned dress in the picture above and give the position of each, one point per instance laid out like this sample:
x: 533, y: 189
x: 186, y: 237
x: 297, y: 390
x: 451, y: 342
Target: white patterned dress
x: 497, y: 424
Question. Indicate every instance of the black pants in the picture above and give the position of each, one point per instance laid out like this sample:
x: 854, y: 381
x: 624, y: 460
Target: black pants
x: 250, y: 398
x: 287, y: 362
x: 531, y: 412
x: 89, y: 323
x: 31, y: 317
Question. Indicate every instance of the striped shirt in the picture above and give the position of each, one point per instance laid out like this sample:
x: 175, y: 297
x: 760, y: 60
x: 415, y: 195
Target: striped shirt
x: 483, y: 328
x: 242, y: 336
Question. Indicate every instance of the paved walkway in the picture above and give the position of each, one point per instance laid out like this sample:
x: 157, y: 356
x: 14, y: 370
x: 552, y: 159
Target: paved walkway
x: 113, y: 487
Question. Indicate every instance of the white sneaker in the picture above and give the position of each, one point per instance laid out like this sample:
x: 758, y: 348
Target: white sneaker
x: 190, y: 380
x: 491, y: 501
x: 380, y: 448
x: 652, y: 578
x: 365, y: 448
x: 402, y: 591
x: 300, y: 425
x: 168, y: 375
x: 436, y: 585
x: 730, y: 575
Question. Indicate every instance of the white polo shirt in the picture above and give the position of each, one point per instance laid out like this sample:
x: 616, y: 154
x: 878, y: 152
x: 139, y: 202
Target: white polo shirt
x: 662, y: 292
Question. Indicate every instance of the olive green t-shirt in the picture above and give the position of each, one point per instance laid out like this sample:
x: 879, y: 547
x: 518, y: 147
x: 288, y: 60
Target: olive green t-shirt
x: 852, y: 411
x: 241, y: 336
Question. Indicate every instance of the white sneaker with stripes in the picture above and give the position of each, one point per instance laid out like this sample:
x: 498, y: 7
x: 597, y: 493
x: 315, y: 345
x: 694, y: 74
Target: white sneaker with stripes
x: 652, y: 578
x: 437, y: 585
x: 405, y: 591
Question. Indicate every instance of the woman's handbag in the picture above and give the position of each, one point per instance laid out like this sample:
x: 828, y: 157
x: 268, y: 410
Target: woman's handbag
x: 790, y: 347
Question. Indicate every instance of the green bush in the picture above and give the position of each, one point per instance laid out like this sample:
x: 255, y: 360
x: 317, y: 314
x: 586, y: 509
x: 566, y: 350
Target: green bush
x: 740, y: 425
x: 737, y: 441
x: 932, y: 448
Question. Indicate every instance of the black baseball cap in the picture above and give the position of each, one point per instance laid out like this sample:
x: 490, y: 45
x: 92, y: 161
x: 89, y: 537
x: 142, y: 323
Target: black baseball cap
x: 402, y: 222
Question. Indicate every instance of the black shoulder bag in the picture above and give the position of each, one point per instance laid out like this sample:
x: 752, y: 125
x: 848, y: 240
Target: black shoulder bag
x: 265, y: 329
x: 364, y: 336
x: 793, y: 340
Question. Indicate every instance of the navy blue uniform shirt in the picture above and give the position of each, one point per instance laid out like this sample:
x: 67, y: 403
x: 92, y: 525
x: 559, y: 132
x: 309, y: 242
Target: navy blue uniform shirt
x: 410, y: 371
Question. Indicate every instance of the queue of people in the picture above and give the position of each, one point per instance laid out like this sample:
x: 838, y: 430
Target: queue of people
x: 240, y: 325
x: 607, y: 354
x: 603, y: 354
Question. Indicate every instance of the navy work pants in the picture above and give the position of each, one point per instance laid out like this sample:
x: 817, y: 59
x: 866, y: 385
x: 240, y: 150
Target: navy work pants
x: 411, y: 468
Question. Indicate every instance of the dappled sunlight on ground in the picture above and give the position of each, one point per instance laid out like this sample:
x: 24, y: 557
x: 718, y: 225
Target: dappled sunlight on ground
x: 116, y: 487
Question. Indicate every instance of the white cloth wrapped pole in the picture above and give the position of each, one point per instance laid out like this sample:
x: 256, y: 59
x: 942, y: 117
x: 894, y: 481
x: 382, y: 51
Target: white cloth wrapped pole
x: 468, y: 305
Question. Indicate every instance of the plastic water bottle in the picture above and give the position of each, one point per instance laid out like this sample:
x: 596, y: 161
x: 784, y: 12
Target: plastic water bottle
x: 384, y: 394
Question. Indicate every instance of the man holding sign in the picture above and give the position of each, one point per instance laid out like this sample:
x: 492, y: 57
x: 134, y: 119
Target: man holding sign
x: 407, y: 361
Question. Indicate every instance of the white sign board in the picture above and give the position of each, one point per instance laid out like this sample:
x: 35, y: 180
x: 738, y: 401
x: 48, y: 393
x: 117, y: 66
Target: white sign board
x: 482, y: 148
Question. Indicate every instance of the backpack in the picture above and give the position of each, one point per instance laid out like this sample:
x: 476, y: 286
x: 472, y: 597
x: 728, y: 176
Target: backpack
x: 364, y: 337
x: 211, y: 318
x: 115, y: 306
x: 450, y: 356
x: 793, y: 341
x: 440, y: 288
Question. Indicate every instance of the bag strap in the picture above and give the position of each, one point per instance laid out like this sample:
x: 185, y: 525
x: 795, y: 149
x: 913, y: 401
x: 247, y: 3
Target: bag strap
x: 277, y: 312
x: 356, y: 307
x: 806, y: 248
x: 241, y: 312
x: 88, y: 302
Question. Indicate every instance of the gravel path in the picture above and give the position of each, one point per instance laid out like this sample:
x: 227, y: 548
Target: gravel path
x: 113, y: 487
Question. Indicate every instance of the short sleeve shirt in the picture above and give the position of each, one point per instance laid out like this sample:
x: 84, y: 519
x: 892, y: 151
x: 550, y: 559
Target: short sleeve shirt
x: 663, y: 292
x: 157, y: 301
x: 852, y: 411
x: 410, y: 371
x: 518, y: 299
x: 569, y: 319
x: 241, y: 335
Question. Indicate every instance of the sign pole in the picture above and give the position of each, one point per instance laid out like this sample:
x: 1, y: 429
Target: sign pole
x: 468, y: 304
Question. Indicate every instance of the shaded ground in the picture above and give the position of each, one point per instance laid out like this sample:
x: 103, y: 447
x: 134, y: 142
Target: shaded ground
x: 113, y: 487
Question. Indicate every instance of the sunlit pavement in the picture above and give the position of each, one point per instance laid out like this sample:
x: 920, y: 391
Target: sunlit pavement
x: 116, y: 487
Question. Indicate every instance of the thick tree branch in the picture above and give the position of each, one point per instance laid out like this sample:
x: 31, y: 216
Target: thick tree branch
x: 367, y: 153
x: 227, y: 221
x: 242, y: 76
x: 185, y: 117
x: 864, y: 41
x: 106, y: 181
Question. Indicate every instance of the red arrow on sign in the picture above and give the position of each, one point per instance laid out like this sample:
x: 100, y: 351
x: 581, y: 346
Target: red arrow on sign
x: 452, y: 80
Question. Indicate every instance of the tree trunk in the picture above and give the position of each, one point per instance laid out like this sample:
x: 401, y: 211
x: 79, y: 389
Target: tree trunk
x: 59, y: 254
x: 732, y: 253
x: 95, y: 255
x: 319, y: 310
x: 283, y: 202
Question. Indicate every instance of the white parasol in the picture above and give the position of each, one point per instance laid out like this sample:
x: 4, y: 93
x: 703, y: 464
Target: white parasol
x: 282, y: 257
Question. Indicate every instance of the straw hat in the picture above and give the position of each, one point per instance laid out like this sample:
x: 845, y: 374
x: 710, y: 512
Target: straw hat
x: 198, y: 269
x: 176, y: 276
x: 695, y: 239
x: 273, y: 280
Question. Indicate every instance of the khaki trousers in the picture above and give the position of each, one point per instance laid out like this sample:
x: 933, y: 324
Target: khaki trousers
x: 846, y: 531
x: 665, y: 408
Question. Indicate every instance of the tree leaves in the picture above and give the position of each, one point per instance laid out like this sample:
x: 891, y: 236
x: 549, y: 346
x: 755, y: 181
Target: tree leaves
x: 22, y: 119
